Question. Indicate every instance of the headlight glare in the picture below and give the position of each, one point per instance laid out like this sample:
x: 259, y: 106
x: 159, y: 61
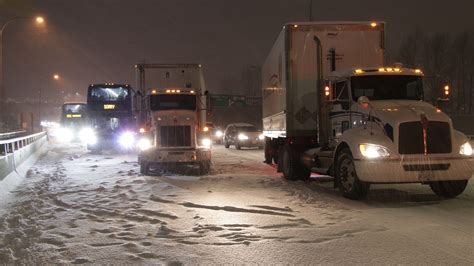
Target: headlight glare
x: 243, y: 137
x: 373, y: 151
x: 261, y: 137
x: 65, y: 134
x: 87, y: 136
x: 127, y: 139
x: 144, y: 144
x: 466, y: 149
x: 219, y: 133
x: 206, y: 142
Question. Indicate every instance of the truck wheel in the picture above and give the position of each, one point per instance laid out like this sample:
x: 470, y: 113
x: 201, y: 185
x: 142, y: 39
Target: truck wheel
x: 448, y: 189
x: 237, y: 146
x: 349, y: 184
x: 226, y: 144
x: 144, y: 168
x: 268, y: 151
x: 204, y: 167
x: 292, y: 168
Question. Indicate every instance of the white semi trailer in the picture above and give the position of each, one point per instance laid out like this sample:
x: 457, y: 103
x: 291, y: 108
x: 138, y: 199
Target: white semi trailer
x: 172, y: 117
x: 331, y: 106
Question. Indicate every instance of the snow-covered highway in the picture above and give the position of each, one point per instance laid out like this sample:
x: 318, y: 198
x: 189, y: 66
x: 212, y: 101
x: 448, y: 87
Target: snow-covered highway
x: 76, y: 207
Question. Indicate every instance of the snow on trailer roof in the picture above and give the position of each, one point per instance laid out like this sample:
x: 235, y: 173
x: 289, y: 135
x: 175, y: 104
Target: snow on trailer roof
x: 375, y: 71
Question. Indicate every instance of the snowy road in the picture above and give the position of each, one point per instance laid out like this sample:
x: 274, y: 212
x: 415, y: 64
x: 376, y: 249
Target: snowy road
x: 75, y: 207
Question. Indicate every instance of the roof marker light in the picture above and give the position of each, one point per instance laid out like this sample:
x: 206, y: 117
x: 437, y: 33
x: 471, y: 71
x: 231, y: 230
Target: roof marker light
x: 417, y: 70
x: 359, y: 71
x: 381, y: 69
x: 373, y: 24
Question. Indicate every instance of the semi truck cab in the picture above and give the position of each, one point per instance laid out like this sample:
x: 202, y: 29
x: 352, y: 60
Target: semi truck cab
x: 174, y: 134
x: 382, y: 131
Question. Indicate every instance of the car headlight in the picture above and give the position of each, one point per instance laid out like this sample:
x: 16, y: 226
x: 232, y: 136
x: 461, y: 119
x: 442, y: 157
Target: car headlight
x: 219, y: 133
x: 373, y: 151
x: 261, y: 137
x: 64, y: 134
x: 466, y: 149
x: 87, y: 136
x: 127, y: 139
x: 243, y: 137
x: 206, y: 142
x: 144, y: 144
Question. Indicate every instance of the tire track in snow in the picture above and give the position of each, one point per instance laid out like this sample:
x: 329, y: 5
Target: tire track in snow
x: 234, y: 209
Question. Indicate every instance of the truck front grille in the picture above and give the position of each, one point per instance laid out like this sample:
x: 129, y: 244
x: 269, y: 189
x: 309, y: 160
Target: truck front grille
x: 438, y: 138
x: 175, y: 136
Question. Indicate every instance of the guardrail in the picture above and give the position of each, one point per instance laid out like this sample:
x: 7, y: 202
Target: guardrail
x: 15, y: 151
x: 10, y: 135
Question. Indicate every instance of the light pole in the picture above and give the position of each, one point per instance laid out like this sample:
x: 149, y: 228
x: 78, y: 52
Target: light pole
x: 39, y: 20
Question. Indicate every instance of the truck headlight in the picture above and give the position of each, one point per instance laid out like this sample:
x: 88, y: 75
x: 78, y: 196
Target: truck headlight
x: 261, y: 137
x: 127, y: 139
x: 243, y: 137
x: 87, y: 136
x: 466, y: 149
x: 206, y: 143
x: 144, y: 144
x: 373, y: 151
x: 219, y: 133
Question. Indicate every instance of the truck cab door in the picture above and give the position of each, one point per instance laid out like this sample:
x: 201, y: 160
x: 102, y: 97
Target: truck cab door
x: 340, y: 111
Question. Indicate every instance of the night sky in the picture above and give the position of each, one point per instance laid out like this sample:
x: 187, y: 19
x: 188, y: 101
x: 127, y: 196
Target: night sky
x: 100, y: 41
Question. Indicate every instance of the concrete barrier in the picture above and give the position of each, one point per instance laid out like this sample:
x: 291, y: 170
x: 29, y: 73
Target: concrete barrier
x: 14, y: 152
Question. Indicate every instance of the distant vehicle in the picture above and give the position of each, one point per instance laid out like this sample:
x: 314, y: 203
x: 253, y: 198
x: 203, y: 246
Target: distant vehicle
x: 243, y: 135
x: 173, y: 116
x: 73, y: 120
x: 112, y: 117
x: 215, y: 133
x: 331, y: 106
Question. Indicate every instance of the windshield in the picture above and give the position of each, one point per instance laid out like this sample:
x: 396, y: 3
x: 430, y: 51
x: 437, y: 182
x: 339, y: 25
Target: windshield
x: 387, y: 87
x: 172, y: 102
x: 247, y: 129
x: 74, y: 108
x: 104, y: 94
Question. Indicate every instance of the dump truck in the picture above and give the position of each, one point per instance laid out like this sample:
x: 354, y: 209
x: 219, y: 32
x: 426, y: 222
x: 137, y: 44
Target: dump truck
x: 173, y: 117
x: 331, y: 106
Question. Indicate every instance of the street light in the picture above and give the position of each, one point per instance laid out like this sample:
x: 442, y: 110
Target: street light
x: 56, y: 76
x: 40, y: 21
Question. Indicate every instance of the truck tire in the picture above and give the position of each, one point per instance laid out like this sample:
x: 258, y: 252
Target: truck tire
x: 237, y: 146
x: 448, y: 189
x: 144, y: 168
x: 226, y: 144
x: 204, y: 167
x: 291, y: 166
x: 268, y: 151
x: 349, y: 184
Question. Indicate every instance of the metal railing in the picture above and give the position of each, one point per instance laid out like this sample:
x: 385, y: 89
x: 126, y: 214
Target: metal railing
x: 10, y: 135
x: 13, y: 144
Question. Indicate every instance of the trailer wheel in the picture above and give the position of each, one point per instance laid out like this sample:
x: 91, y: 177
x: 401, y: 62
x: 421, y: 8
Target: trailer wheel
x: 448, y: 189
x: 349, y: 184
x: 144, y: 168
x: 267, y: 151
x: 291, y: 165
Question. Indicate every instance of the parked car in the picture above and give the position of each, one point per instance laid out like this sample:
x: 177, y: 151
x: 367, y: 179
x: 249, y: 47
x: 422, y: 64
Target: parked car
x: 243, y: 135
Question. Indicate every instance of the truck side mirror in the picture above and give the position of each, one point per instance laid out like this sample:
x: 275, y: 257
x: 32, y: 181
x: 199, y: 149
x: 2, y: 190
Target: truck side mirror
x: 363, y: 102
